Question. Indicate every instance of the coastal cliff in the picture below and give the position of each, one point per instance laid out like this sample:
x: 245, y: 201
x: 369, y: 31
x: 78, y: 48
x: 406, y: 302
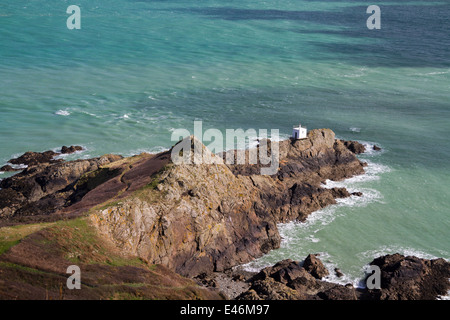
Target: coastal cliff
x: 192, y: 219
x: 198, y: 218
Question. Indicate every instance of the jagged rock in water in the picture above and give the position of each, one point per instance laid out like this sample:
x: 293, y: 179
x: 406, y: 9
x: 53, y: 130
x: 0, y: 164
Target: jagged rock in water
x: 71, y: 149
x: 315, y: 267
x: 355, y: 147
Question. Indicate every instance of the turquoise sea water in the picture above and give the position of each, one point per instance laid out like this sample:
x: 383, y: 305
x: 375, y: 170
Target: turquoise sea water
x: 139, y: 69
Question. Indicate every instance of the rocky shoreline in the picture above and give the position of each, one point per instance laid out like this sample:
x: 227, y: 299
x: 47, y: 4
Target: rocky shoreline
x: 402, y: 278
x: 202, y: 221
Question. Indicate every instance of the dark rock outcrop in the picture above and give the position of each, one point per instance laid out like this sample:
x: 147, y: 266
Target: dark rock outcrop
x: 34, y: 158
x: 338, y: 272
x: 45, y: 189
x: 287, y: 280
x: 8, y: 168
x: 203, y: 218
x: 355, y: 147
x: 315, y: 267
x: 411, y: 278
x: 402, y: 278
x: 71, y: 149
x: 30, y: 158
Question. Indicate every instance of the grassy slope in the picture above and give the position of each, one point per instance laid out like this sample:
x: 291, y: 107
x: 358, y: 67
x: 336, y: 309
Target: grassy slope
x: 34, y: 260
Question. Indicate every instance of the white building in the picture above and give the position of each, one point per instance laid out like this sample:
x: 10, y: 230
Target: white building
x: 299, y: 132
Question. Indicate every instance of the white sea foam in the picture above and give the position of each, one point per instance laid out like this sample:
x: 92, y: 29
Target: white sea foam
x: 434, y: 73
x: 354, y: 129
x: 17, y: 166
x: 253, y: 141
x: 373, y: 171
x: 359, y: 72
x: 153, y: 150
x: 90, y: 114
x: 406, y: 251
x: 330, y: 265
x: 64, y: 113
x: 446, y: 297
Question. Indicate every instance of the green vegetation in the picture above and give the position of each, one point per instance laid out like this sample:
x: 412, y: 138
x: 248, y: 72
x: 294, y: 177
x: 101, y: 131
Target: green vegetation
x: 81, y: 244
x: 11, y: 236
x: 19, y: 267
x: 6, y: 245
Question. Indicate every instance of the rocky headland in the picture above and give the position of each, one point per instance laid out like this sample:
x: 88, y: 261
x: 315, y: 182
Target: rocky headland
x: 192, y: 221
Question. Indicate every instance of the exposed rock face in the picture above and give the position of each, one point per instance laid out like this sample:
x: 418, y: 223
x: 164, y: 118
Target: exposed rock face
x: 193, y: 221
x: 198, y: 218
x: 411, y: 278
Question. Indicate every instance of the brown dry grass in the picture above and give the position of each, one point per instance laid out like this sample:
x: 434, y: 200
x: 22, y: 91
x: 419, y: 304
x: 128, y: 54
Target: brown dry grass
x: 35, y: 267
